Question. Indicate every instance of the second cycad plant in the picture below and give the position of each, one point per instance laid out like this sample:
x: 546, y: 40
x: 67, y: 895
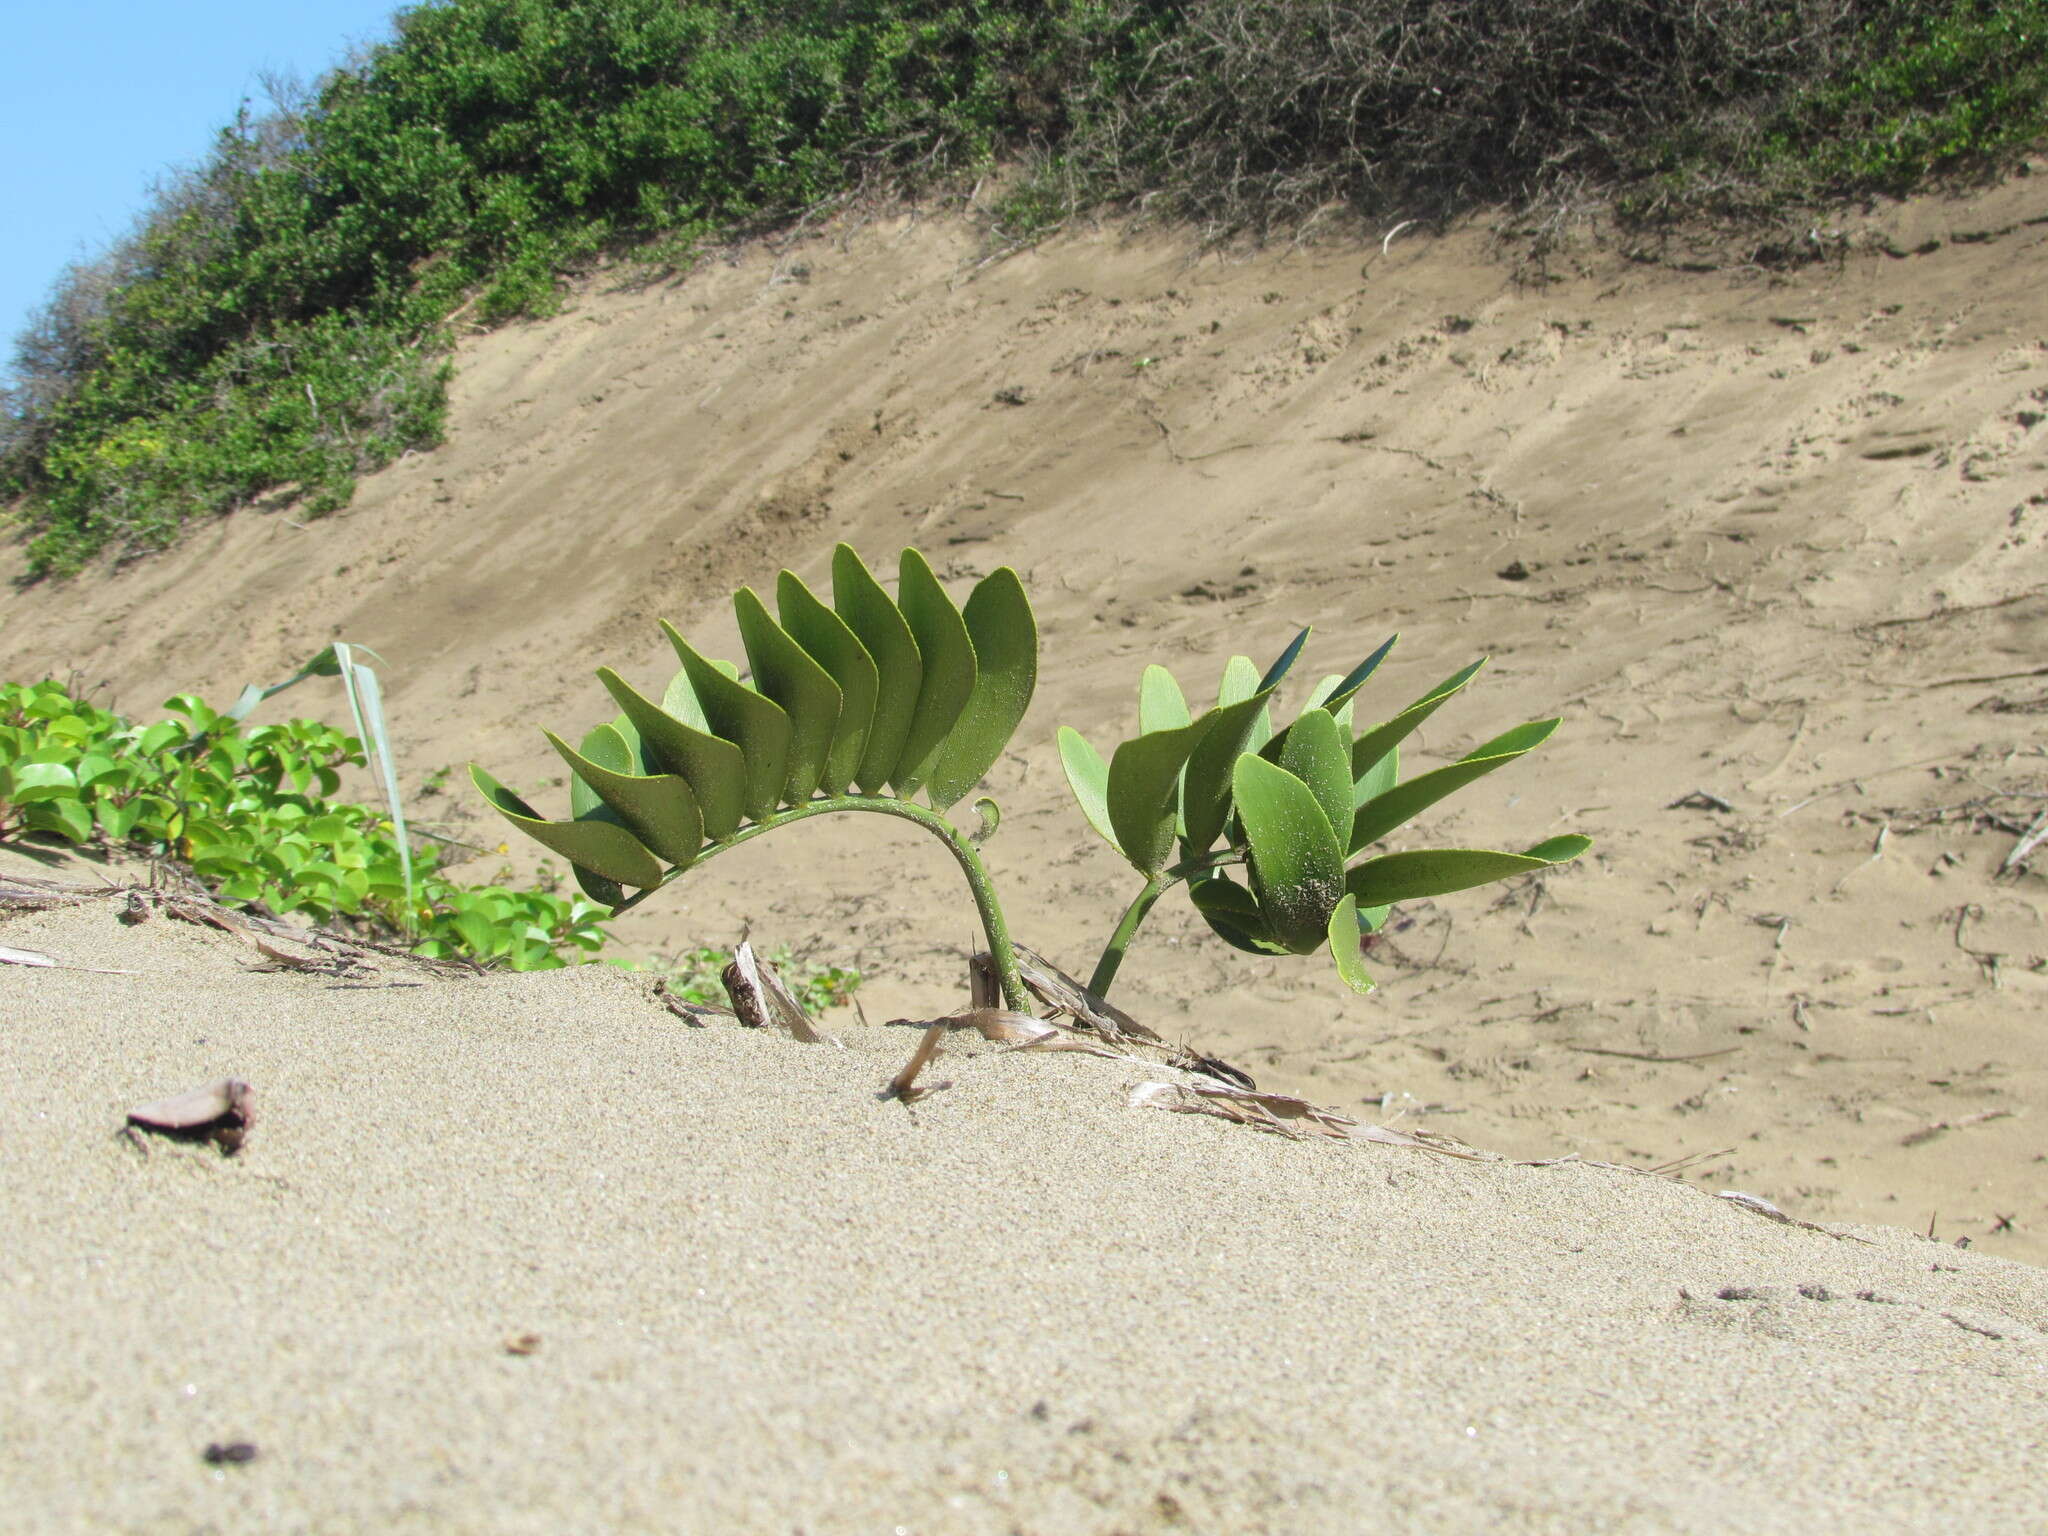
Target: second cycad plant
x: 913, y: 694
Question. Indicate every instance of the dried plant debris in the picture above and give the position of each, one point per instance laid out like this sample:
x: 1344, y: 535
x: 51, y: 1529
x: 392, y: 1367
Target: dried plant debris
x: 282, y: 946
x: 1061, y: 993
x: 1018, y: 1031
x: 221, y: 1112
x: 35, y: 957
x: 1073, y: 1007
x: 1758, y: 1205
x: 904, y: 1084
x: 1285, y: 1115
x: 760, y: 998
x: 701, y: 1015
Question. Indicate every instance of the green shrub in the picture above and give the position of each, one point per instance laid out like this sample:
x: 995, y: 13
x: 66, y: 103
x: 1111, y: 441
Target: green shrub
x: 278, y: 320
x: 249, y: 811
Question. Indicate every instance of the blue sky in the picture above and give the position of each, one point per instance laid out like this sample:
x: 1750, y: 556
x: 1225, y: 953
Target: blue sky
x: 98, y: 98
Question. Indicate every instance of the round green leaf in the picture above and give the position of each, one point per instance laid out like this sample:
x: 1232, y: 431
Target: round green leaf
x: 1297, y: 865
x: 1345, y: 949
x: 1144, y: 792
x: 1088, y: 777
x: 35, y: 781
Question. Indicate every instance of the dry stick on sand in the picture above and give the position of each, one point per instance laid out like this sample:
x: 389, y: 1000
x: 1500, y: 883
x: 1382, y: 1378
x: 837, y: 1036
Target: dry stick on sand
x: 997, y: 1024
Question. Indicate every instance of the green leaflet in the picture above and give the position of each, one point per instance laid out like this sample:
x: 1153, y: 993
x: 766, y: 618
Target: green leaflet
x: 1144, y: 782
x: 1005, y: 640
x: 1240, y: 680
x: 1344, y: 945
x: 636, y: 750
x: 1384, y: 812
x: 659, y: 810
x: 1233, y: 914
x: 715, y: 770
x: 1297, y: 865
x: 1438, y: 871
x: 753, y: 722
x: 605, y: 892
x: 1161, y: 704
x: 947, y: 653
x: 786, y: 673
x: 1319, y: 697
x: 1088, y: 777
x: 880, y: 626
x: 1378, y: 779
x: 1358, y: 676
x: 838, y: 650
x: 1205, y: 789
x: 1376, y: 743
x: 1316, y: 753
x: 1284, y: 662
x: 680, y: 699
x: 603, y: 847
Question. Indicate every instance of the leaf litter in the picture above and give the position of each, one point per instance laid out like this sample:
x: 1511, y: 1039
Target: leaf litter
x: 221, y: 1112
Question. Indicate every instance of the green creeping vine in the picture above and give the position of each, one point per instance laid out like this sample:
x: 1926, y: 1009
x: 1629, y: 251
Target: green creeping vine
x: 915, y: 694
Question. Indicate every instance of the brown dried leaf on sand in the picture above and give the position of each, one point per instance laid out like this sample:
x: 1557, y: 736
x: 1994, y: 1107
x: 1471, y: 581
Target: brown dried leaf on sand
x: 698, y: 1014
x: 760, y: 997
x: 904, y: 1084
x: 1059, y: 992
x: 1019, y: 1031
x: 220, y: 1111
x: 1285, y: 1115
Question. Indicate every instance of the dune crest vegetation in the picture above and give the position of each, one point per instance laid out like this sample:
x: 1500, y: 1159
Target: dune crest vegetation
x: 278, y: 323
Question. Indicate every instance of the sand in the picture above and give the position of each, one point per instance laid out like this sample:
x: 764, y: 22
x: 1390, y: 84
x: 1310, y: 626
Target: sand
x: 1772, y: 537
x: 759, y: 1296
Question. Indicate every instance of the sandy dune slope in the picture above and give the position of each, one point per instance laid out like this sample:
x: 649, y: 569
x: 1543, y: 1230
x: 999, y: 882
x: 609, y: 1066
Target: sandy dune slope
x: 519, y: 1254
x: 1773, y: 538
